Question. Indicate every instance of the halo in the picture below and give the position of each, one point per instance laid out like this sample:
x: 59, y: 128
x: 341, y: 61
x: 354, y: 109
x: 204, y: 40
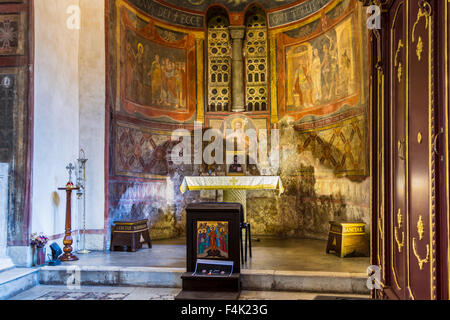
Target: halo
x: 234, y: 121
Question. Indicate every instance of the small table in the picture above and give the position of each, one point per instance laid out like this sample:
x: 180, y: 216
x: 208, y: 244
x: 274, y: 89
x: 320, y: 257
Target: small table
x: 129, y: 234
x: 347, y: 239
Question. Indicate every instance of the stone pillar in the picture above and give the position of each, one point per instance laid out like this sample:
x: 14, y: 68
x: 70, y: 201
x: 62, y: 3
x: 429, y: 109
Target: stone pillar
x: 237, y: 68
x: 5, y: 261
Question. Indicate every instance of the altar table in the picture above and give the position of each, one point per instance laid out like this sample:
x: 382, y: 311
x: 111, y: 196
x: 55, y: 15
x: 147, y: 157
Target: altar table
x: 234, y: 187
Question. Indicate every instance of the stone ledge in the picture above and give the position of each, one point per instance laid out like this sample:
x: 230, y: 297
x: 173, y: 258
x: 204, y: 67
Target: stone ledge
x: 16, y: 280
x: 267, y: 280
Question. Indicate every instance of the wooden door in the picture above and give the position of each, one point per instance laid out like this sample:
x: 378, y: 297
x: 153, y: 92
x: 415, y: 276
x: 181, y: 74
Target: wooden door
x: 421, y: 153
x: 409, y: 133
x: 397, y: 114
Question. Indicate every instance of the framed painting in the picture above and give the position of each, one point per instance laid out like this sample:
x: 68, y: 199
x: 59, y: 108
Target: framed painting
x: 212, y: 239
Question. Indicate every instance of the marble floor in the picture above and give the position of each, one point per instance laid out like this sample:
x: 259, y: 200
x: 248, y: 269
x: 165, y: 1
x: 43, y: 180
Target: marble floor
x: 268, y: 254
x: 47, y: 292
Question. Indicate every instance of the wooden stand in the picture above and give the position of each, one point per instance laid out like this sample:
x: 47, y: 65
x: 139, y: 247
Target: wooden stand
x: 129, y: 234
x: 67, y: 255
x: 196, y: 287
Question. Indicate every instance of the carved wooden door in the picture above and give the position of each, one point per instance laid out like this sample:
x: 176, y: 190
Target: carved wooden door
x: 408, y: 141
x: 421, y: 152
x: 397, y: 113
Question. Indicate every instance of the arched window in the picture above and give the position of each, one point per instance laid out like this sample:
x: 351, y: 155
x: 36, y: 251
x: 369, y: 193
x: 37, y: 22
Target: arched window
x: 256, y: 60
x: 219, y: 63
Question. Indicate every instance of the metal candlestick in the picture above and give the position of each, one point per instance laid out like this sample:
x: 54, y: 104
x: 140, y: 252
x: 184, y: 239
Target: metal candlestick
x: 81, y: 193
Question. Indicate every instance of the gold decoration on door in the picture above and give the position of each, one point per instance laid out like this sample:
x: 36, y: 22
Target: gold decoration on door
x: 397, y: 63
x: 420, y: 231
x: 419, y: 137
x: 420, y: 228
x: 419, y: 48
x: 400, y: 244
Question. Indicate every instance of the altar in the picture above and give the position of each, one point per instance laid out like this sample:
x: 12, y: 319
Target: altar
x: 234, y: 187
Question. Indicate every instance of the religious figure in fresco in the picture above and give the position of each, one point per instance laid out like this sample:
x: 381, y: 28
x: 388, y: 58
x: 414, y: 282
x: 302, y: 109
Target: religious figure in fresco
x: 169, y: 83
x: 180, y: 76
x: 345, y: 73
x: 303, y: 84
x: 329, y: 68
x: 316, y: 76
x: 238, y: 135
x: 135, y: 69
x: 155, y: 74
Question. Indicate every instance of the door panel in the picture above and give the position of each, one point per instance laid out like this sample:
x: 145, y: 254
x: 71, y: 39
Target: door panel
x: 398, y: 102
x: 421, y: 133
x: 413, y: 59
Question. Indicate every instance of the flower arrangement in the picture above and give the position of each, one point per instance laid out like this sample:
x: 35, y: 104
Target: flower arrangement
x: 38, y: 241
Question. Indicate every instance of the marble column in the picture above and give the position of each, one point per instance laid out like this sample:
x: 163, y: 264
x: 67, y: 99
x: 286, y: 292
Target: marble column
x: 5, y: 261
x: 237, y: 68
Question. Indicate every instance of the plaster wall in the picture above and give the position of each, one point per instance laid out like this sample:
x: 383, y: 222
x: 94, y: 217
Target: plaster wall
x: 56, y: 114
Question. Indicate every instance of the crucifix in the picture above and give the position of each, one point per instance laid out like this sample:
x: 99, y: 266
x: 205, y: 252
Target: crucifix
x: 70, y: 168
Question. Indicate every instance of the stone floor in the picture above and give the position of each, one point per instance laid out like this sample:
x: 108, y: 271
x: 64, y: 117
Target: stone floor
x: 46, y: 292
x: 268, y: 254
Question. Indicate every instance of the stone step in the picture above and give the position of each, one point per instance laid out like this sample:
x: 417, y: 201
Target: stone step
x: 260, y: 280
x: 15, y: 280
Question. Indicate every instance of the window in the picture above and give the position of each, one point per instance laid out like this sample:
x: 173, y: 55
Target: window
x: 219, y: 64
x: 255, y: 50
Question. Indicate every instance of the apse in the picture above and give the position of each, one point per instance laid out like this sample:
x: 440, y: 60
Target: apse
x: 298, y: 69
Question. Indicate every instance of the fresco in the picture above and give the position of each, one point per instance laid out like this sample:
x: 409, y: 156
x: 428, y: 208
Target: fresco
x: 160, y: 83
x: 322, y: 70
x: 153, y: 63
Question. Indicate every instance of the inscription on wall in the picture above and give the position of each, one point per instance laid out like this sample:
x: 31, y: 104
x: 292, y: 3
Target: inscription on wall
x: 168, y: 14
x: 295, y: 13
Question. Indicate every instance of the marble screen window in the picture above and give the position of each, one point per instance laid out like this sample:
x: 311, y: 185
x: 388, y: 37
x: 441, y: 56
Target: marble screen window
x: 219, y: 64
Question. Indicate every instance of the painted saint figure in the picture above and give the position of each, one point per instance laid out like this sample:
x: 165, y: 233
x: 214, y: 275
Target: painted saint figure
x: 201, y: 241
x: 223, y: 240
x: 316, y: 76
x: 156, y: 79
x: 212, y: 236
x: 303, y: 85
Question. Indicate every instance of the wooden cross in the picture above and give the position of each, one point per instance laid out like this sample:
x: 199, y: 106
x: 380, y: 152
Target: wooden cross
x: 70, y: 168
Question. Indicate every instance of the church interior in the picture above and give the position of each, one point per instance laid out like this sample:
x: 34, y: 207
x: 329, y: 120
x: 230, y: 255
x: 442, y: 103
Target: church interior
x: 297, y: 148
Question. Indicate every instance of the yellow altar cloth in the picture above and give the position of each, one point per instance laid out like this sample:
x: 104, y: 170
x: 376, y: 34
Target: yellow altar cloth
x: 232, y: 182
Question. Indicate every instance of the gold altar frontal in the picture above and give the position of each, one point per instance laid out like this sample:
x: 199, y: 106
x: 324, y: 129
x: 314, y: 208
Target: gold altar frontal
x: 348, y: 239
